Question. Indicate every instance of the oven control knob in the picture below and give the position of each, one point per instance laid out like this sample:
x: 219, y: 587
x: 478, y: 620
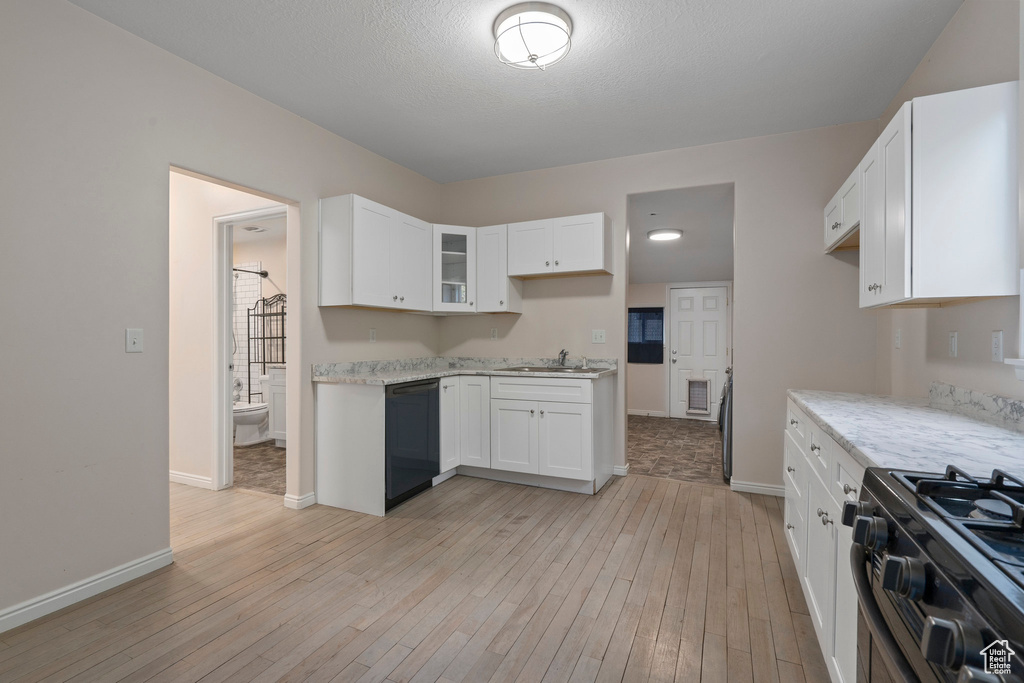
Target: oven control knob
x: 872, y: 532
x: 951, y: 644
x: 904, y: 576
x: 852, y: 509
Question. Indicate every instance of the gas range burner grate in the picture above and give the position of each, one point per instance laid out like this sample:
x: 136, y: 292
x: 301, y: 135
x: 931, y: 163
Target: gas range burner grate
x: 988, y: 513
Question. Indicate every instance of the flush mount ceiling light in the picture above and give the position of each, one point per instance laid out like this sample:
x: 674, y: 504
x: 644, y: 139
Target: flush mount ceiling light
x: 532, y: 35
x: 664, y: 234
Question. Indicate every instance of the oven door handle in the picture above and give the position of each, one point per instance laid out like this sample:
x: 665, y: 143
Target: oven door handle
x: 883, y: 637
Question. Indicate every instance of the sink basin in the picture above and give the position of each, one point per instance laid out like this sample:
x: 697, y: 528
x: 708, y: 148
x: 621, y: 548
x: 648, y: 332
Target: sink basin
x: 535, y: 368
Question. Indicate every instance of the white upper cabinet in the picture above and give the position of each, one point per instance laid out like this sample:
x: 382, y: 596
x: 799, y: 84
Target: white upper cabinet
x: 560, y: 246
x: 939, y: 200
x: 455, y: 269
x: 842, y: 214
x: 496, y: 292
x: 371, y: 255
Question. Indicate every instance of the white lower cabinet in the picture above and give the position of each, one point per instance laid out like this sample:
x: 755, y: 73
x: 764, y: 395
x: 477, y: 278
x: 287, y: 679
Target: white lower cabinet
x: 817, y: 483
x: 564, y: 440
x: 449, y: 407
x: 514, y: 429
x: 475, y: 421
x: 278, y: 406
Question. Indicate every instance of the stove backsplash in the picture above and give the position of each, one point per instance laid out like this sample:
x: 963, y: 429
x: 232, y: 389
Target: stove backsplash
x: 997, y: 410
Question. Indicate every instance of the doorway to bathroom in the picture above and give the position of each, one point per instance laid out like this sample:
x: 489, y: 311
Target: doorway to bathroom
x: 228, y: 335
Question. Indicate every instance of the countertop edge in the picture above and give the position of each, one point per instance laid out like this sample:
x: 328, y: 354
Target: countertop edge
x: 453, y: 372
x: 856, y: 453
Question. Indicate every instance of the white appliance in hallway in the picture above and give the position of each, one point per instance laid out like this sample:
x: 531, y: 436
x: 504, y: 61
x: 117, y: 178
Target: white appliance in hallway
x: 698, y: 351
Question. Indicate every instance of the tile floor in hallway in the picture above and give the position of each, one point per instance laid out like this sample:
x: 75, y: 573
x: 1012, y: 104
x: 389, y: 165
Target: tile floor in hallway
x: 684, y: 450
x: 260, y: 468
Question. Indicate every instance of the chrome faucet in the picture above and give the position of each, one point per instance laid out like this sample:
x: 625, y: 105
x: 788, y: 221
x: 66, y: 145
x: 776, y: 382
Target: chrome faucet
x: 562, y: 355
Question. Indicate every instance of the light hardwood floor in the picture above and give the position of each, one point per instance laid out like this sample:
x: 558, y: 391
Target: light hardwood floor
x: 474, y: 580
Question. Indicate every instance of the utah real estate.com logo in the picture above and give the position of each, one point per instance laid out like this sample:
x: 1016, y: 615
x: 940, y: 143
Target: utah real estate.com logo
x: 997, y: 657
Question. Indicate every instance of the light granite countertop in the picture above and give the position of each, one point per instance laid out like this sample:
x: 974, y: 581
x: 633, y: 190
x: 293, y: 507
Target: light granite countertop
x: 384, y: 372
x: 922, y: 434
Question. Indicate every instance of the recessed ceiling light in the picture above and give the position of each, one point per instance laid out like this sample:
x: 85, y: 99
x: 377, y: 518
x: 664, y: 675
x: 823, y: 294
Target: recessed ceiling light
x: 253, y: 228
x: 664, y: 234
x: 532, y: 35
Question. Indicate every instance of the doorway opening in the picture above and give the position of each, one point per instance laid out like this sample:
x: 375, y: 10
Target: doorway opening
x: 680, y: 304
x: 229, y: 331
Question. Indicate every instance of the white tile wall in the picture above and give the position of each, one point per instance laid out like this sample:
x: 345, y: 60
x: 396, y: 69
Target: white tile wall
x: 248, y: 290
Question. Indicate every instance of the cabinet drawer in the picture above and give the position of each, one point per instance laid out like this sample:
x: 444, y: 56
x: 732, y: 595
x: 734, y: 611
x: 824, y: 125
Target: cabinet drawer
x: 795, y: 474
x: 847, y: 478
x: 542, y: 389
x: 796, y: 424
x: 819, y: 451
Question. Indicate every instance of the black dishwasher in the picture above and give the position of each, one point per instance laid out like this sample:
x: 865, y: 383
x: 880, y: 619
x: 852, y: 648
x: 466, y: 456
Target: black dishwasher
x: 412, y: 440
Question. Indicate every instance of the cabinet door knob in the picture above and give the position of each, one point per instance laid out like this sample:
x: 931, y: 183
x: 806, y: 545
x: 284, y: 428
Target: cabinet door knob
x: 789, y: 526
x: 820, y: 512
x: 825, y: 520
x: 847, y: 489
x: 816, y: 449
x: 547, y: 263
x: 794, y: 421
x: 401, y: 298
x: 790, y: 468
x: 556, y: 262
x: 394, y: 298
x: 531, y: 411
x: 501, y: 303
x: 470, y: 303
x: 542, y: 411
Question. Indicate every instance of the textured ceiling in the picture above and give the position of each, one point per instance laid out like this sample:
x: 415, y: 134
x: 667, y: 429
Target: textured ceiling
x: 703, y: 254
x: 417, y: 81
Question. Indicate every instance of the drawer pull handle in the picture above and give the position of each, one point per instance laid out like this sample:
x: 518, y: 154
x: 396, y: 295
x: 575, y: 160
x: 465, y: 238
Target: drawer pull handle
x: 847, y: 489
x: 820, y: 512
x: 815, y: 449
x: 825, y: 521
x: 789, y: 526
x: 794, y: 421
x: 790, y: 468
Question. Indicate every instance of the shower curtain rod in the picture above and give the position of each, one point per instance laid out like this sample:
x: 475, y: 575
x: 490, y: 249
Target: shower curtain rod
x: 261, y: 273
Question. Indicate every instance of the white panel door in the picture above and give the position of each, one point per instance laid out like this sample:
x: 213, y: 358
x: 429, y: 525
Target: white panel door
x: 565, y: 435
x: 529, y: 247
x: 698, y: 330
x: 371, y: 254
x: 411, y: 244
x: 845, y: 640
x: 894, y: 155
x: 872, y: 229
x: 514, y: 435
x: 819, y: 575
x: 578, y: 243
x: 475, y: 421
x: 449, y: 407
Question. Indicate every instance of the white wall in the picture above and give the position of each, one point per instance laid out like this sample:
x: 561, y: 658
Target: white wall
x: 796, y: 317
x: 979, y: 46
x: 93, y: 118
x: 272, y: 253
x: 646, y: 383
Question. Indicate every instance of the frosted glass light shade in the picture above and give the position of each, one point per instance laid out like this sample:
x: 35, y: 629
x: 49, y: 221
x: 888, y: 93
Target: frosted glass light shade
x: 532, y: 35
x: 664, y: 234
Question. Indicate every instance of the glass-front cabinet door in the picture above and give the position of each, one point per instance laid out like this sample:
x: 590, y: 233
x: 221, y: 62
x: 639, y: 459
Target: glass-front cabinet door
x: 454, y: 269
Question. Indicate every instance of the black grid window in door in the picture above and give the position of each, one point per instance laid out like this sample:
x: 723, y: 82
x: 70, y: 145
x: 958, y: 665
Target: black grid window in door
x: 646, y: 335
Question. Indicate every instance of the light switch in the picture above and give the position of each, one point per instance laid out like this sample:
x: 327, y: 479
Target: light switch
x: 597, y: 336
x: 133, y: 340
x: 952, y: 344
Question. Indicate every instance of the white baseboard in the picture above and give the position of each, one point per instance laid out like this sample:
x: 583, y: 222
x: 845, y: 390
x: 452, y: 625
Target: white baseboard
x: 648, y: 413
x: 444, y: 476
x: 752, y: 487
x: 620, y: 470
x: 191, y: 480
x: 29, y: 610
x: 299, y: 502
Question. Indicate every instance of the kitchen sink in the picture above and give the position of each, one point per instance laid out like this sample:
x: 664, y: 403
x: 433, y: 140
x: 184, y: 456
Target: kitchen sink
x: 557, y: 368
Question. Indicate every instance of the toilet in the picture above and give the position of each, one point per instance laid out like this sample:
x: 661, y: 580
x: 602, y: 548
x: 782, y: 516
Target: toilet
x: 252, y: 423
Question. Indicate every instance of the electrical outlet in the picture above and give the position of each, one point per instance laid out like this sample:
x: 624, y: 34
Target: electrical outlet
x: 597, y: 336
x: 494, y: 333
x: 997, y: 346
x: 373, y: 334
x: 952, y: 344
x: 133, y: 340
x: 899, y: 338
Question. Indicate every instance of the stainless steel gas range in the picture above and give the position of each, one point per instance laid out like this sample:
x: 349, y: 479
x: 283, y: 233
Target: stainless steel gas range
x: 938, y: 561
